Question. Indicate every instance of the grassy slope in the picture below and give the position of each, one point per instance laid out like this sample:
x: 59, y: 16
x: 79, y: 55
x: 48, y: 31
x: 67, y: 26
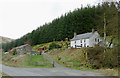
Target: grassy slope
x: 47, y: 44
x: 68, y: 55
x: 1, y: 73
x: 75, y: 56
x: 38, y: 61
x: 23, y: 61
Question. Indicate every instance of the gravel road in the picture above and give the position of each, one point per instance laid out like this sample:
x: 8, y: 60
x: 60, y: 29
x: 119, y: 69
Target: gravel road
x: 19, y: 71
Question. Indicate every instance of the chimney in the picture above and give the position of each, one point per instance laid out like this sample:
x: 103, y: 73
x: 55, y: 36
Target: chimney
x: 74, y: 34
x: 93, y: 30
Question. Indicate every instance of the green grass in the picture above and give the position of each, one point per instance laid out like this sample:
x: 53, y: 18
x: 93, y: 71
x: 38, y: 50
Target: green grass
x: 38, y: 61
x: 24, y: 61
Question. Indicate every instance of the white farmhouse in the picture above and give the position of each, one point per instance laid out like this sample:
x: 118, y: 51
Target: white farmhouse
x: 85, y: 40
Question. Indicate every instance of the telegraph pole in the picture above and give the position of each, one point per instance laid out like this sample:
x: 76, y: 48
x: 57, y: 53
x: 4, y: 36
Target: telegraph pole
x: 104, y: 28
x: 104, y: 32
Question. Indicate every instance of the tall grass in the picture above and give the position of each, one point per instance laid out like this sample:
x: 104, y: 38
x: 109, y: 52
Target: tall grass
x: 98, y: 60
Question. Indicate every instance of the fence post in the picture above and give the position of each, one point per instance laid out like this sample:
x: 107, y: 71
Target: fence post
x: 53, y: 64
x: 30, y: 57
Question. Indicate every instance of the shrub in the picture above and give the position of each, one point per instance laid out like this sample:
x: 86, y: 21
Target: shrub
x: 14, y: 52
x: 110, y: 58
x: 98, y: 58
x: 95, y: 56
x: 46, y: 50
x: 59, y: 58
x: 53, y: 46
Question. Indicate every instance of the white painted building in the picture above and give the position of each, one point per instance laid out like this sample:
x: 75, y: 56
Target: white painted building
x: 85, y: 40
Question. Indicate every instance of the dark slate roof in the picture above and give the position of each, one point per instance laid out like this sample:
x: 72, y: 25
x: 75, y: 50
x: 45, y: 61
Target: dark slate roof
x: 82, y: 36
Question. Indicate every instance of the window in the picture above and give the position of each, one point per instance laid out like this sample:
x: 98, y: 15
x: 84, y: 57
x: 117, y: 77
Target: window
x: 84, y: 40
x: 75, y: 46
x: 75, y: 42
x: 84, y: 45
x: 98, y: 40
x: 95, y: 39
x: 81, y: 41
x: 81, y: 45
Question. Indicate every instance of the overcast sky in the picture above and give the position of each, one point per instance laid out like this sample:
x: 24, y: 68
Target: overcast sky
x: 18, y: 17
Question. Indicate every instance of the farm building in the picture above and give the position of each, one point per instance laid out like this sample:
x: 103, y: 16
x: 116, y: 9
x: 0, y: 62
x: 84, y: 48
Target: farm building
x: 11, y: 51
x: 87, y: 40
x: 24, y: 49
x: 42, y: 48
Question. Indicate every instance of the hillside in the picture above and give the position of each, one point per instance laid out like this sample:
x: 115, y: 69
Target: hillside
x: 63, y: 43
x: 5, y: 39
x: 81, y: 20
x: 76, y: 59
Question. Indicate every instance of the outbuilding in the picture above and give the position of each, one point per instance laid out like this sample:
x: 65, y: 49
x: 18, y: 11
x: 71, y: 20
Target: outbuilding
x: 24, y: 49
